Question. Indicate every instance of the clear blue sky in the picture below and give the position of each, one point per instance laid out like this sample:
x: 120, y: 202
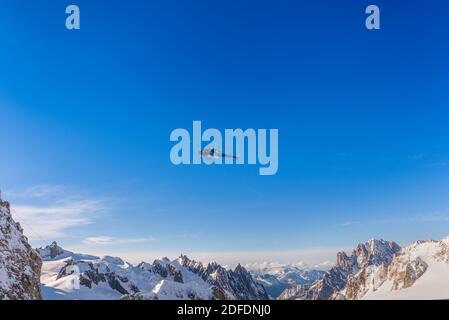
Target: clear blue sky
x: 362, y: 118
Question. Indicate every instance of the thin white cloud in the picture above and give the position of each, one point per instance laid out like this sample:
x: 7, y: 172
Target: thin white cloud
x: 49, y: 211
x: 348, y: 223
x: 105, y: 240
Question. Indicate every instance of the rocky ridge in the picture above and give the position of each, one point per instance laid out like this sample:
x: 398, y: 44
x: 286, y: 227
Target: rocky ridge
x: 20, y: 265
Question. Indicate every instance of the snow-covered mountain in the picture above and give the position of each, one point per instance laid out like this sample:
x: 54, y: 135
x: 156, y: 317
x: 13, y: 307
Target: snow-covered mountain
x: 20, y: 265
x: 66, y: 275
x: 55, y: 252
x: 380, y: 269
x: 277, y: 277
x: 348, y: 278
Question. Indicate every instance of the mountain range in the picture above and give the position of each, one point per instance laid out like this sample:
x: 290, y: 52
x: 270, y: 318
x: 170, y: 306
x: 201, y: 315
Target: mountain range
x: 67, y: 275
x: 376, y: 269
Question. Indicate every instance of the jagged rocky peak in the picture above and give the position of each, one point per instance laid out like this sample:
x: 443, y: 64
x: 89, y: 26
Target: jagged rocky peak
x: 226, y: 284
x: 352, y: 276
x: 191, y: 264
x: 242, y: 272
x: 376, y: 252
x: 417, y: 271
x: 195, y: 267
x: 53, y: 250
x: 372, y: 260
x: 373, y: 252
x: 20, y: 265
x: 237, y: 284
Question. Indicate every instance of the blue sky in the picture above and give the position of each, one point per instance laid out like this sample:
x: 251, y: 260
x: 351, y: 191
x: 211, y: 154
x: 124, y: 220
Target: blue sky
x: 362, y: 116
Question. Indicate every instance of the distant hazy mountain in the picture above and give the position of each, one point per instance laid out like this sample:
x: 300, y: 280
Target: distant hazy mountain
x: 277, y: 277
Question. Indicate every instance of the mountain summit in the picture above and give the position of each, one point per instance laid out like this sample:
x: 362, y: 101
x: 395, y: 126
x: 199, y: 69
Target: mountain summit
x: 54, y: 252
x: 351, y: 276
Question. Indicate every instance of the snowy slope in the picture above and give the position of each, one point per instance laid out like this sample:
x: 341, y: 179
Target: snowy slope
x: 421, y: 271
x: 64, y: 288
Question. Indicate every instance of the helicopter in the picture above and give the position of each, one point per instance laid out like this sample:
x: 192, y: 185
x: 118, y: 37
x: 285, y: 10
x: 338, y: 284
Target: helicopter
x: 215, y: 154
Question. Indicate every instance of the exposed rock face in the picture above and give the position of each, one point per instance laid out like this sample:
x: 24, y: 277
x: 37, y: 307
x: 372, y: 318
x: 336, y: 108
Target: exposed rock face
x: 352, y: 276
x: 410, y: 265
x: 164, y: 268
x: 54, y: 250
x: 404, y: 274
x: 442, y: 253
x: 20, y: 265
